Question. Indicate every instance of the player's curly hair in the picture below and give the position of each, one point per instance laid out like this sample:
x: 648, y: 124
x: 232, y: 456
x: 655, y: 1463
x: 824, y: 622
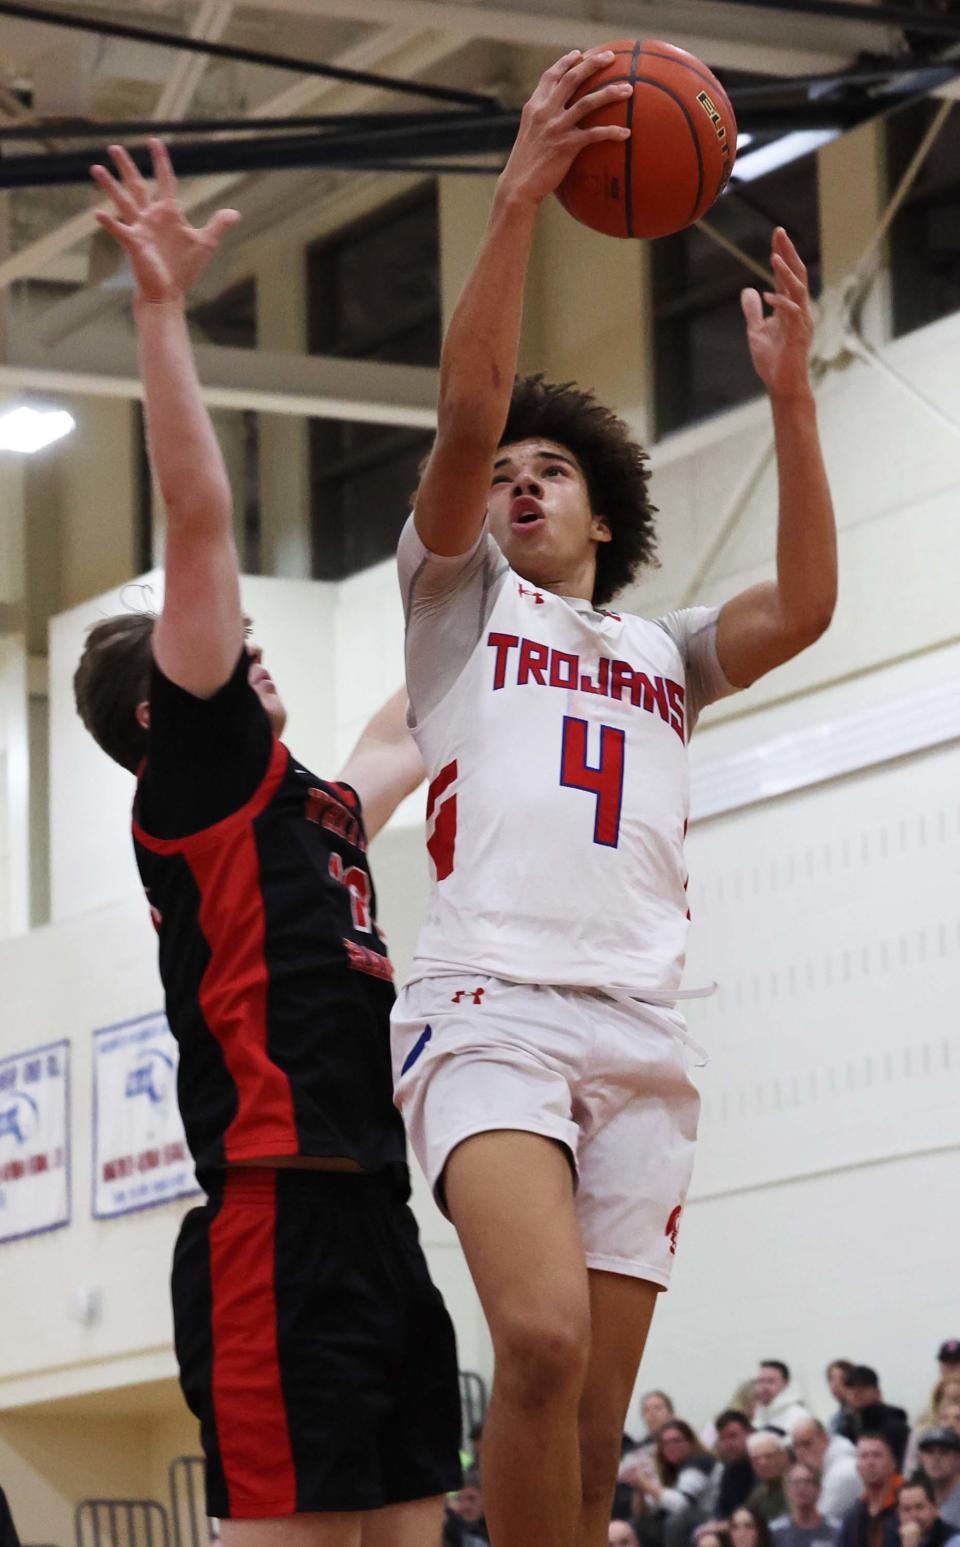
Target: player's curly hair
x: 113, y: 677
x: 615, y: 467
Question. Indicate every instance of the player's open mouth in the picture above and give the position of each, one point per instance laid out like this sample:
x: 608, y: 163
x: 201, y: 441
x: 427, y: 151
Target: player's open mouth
x: 526, y: 514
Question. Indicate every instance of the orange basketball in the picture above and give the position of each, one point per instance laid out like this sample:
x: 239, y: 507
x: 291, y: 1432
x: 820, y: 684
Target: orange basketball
x: 679, y: 155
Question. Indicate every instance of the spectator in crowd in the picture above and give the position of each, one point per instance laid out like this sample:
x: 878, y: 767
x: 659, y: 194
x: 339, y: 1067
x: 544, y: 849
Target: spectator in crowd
x: 713, y: 1534
x: 949, y: 1414
x: 948, y: 1357
x: 804, y: 1525
x: 837, y: 1372
x: 835, y: 1458
x: 920, y: 1525
x: 770, y: 1458
x: 779, y: 1403
x: 622, y: 1534
x: 8, y: 1531
x: 655, y: 1408
x: 733, y: 1480
x: 872, y: 1521
x: 869, y: 1414
x: 748, y: 1529
x: 464, y: 1525
x: 943, y: 1408
x: 940, y: 1461
x: 676, y: 1490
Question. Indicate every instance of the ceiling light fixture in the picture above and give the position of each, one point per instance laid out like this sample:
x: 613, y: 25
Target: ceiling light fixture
x: 789, y: 147
x: 27, y: 430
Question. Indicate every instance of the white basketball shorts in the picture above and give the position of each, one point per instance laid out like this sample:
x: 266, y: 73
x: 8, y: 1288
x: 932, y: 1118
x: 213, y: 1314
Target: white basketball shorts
x: 606, y: 1077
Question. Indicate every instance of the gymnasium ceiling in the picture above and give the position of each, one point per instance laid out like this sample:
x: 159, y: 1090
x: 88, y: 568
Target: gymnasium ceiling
x: 477, y: 59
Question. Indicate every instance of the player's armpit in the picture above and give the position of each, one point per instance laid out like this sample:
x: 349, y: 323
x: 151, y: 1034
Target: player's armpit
x: 755, y: 634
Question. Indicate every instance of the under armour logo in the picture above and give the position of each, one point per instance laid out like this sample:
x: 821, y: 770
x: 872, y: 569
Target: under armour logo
x: 476, y: 994
x: 673, y: 1228
x: 537, y: 598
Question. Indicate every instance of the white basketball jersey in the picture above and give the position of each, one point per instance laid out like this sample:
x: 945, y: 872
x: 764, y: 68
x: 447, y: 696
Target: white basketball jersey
x: 558, y: 787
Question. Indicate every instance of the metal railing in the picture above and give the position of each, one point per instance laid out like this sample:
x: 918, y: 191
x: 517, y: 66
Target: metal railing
x: 192, y: 1527
x: 473, y: 1400
x: 121, y: 1523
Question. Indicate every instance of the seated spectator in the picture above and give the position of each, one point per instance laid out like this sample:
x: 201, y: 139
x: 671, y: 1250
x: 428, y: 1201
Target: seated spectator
x: 872, y: 1521
x: 748, y: 1529
x: 769, y: 1457
x: 948, y: 1358
x: 835, y: 1457
x: 655, y: 1408
x: 622, y: 1534
x: 948, y: 1414
x: 779, y: 1403
x: 713, y: 1534
x: 940, y: 1461
x: 677, y: 1487
x: 837, y: 1372
x: 733, y: 1480
x: 804, y: 1525
x: 920, y: 1525
x: 464, y: 1525
x: 869, y: 1414
x: 943, y: 1407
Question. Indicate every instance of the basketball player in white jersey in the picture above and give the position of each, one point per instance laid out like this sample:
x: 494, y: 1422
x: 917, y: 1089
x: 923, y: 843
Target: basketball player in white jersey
x: 540, y: 1060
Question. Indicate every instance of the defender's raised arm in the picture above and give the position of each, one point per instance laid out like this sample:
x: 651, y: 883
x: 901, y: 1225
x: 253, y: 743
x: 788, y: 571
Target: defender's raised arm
x: 200, y: 631
x: 479, y: 358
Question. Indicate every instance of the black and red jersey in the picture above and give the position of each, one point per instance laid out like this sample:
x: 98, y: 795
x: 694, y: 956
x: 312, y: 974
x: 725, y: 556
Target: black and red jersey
x: 278, y: 984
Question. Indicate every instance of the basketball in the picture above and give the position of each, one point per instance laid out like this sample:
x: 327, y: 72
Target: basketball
x: 680, y: 153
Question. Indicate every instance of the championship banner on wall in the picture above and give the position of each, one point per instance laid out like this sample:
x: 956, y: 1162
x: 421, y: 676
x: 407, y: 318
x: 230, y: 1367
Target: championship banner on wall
x: 140, y: 1156
x: 34, y: 1141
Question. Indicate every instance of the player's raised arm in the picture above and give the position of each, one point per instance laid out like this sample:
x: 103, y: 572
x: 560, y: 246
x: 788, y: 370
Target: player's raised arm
x: 769, y: 624
x: 385, y: 765
x: 200, y: 632
x: 479, y: 358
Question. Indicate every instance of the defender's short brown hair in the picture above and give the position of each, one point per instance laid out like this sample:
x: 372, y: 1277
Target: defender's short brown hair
x: 113, y: 677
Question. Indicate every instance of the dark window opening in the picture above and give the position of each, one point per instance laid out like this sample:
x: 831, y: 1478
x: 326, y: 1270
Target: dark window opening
x: 925, y: 235
x: 701, y: 359
x: 374, y: 294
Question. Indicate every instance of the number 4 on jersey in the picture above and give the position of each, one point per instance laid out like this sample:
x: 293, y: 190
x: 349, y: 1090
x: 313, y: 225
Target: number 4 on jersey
x: 604, y: 782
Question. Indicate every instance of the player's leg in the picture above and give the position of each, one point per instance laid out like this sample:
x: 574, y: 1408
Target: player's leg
x: 510, y: 1195
x: 419, y: 1524
x: 621, y: 1309
x: 642, y: 1104
x: 294, y: 1531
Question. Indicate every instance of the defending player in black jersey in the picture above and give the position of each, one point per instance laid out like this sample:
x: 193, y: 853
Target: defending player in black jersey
x: 312, y: 1345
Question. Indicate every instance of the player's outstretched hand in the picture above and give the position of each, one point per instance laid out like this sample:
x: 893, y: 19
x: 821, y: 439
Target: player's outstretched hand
x: 780, y: 344
x: 551, y: 131
x: 167, y: 253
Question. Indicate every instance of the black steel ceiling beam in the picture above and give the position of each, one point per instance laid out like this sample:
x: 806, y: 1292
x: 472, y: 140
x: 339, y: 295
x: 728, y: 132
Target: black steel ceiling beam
x: 873, y: 74
x: 464, y: 136
x: 114, y: 29
x: 848, y: 10
x: 124, y: 129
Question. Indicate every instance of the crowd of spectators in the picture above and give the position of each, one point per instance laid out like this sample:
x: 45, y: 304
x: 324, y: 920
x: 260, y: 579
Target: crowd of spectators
x: 768, y: 1473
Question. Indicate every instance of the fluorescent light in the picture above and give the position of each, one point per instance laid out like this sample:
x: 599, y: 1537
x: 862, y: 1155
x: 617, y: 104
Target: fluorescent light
x: 743, y: 140
x: 789, y: 147
x: 30, y: 429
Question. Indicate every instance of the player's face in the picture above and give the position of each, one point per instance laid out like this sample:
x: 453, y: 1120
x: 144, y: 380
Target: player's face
x: 263, y: 685
x: 539, y: 512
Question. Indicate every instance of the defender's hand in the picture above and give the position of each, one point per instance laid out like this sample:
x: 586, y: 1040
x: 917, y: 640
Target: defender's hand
x: 780, y: 345
x: 167, y: 253
x: 550, y: 134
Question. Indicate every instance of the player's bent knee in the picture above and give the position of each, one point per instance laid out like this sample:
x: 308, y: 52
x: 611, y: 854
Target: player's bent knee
x: 541, y: 1362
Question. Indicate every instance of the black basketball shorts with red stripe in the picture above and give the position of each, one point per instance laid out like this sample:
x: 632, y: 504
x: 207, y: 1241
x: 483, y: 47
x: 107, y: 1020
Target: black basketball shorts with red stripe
x: 313, y: 1346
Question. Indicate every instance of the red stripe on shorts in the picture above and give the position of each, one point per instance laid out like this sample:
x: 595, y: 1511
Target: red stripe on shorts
x: 251, y: 1417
